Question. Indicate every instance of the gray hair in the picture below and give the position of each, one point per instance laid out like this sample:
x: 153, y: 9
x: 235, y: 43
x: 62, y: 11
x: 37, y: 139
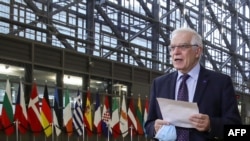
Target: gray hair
x: 196, y: 38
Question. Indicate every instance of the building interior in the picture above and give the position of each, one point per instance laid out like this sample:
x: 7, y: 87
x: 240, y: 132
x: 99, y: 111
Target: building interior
x: 115, y: 48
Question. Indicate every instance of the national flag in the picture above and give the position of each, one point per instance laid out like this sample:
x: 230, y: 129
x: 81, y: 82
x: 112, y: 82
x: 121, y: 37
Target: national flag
x: 1, y: 126
x: 97, y: 116
x: 106, y: 118
x: 46, y: 114
x: 67, y: 114
x: 7, y: 111
x: 131, y: 117
x: 56, y: 113
x: 115, y: 118
x: 21, y: 111
x: 34, y: 111
x: 78, y: 115
x: 87, y: 115
x: 145, y: 116
x: 139, y: 118
x: 124, y: 118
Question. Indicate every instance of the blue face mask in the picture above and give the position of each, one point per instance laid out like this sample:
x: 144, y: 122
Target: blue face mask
x: 166, y: 133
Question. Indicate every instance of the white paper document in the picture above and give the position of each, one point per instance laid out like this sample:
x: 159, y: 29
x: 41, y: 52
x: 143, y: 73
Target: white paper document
x: 177, y: 112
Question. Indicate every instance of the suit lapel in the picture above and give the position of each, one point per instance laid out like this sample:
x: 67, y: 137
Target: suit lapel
x: 172, y: 85
x: 202, y: 82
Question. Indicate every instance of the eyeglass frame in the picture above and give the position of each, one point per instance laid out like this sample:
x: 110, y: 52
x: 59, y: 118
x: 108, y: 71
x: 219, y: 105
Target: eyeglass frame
x: 182, y: 47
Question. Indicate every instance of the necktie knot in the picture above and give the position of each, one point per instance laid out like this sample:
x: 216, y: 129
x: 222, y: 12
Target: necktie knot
x: 185, y: 77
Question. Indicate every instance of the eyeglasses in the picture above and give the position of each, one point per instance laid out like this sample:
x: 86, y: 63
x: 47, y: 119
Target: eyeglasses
x: 181, y: 47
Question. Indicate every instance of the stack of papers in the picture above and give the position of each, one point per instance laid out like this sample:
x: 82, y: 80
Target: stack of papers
x: 177, y: 112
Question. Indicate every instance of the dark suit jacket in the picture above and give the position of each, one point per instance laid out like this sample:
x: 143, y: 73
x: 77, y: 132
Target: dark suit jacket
x: 214, y: 95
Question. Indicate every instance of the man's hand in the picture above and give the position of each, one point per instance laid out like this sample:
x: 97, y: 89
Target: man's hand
x: 200, y: 121
x: 159, y: 123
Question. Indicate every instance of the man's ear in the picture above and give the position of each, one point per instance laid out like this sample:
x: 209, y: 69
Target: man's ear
x: 198, y: 52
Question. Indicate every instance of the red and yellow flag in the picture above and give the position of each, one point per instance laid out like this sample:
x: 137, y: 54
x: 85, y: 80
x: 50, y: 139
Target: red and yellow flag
x: 87, y: 115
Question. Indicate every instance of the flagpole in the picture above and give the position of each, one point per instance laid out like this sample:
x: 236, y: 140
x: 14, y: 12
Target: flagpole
x: 131, y: 132
x: 108, y: 131
x: 97, y: 135
x: 52, y: 125
x: 17, y: 129
x: 45, y: 136
x: 83, y: 130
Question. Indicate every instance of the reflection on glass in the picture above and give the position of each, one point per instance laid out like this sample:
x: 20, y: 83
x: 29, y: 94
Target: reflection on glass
x: 98, y: 86
x: 43, y: 77
x: 14, y: 74
x: 9, y: 71
x: 119, y: 89
x: 72, y: 82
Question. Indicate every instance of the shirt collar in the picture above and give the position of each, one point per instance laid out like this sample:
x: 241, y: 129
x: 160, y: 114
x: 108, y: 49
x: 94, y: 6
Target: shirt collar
x: 193, y: 73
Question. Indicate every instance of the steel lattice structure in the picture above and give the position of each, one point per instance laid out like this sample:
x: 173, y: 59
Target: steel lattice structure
x: 137, y: 32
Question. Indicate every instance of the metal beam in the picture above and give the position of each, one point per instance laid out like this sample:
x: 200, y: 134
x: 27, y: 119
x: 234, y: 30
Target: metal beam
x: 117, y: 33
x: 130, y: 39
x: 90, y: 25
x: 244, y: 35
x: 148, y: 13
x: 50, y: 27
x: 205, y: 51
x: 224, y: 37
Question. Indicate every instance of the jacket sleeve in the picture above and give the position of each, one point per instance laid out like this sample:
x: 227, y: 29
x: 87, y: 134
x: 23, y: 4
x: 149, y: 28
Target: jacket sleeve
x: 153, y: 113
